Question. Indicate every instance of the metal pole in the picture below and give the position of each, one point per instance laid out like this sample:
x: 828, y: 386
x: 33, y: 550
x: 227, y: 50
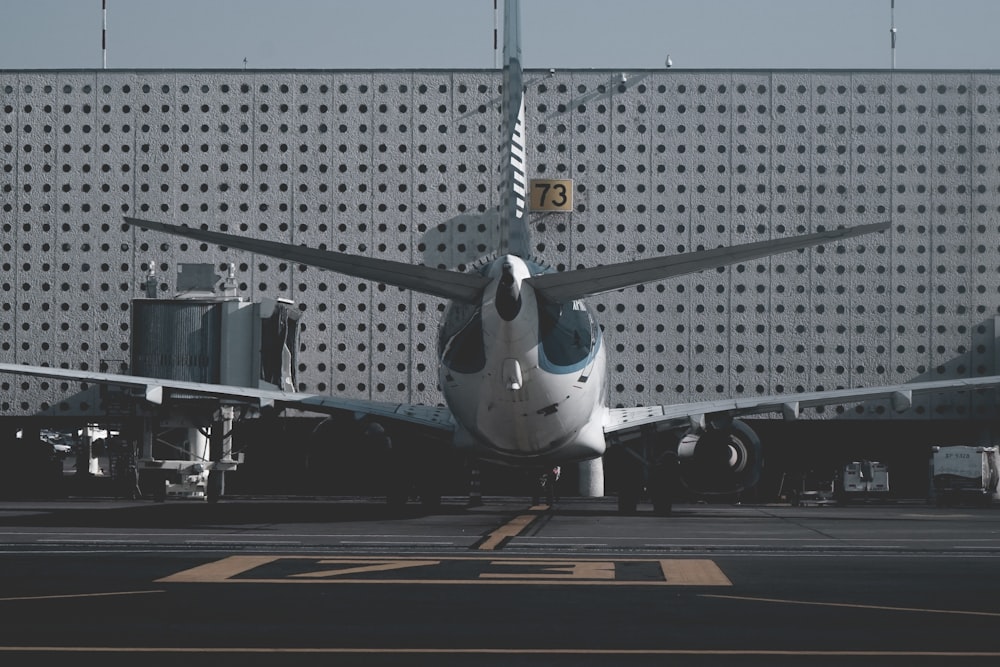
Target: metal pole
x: 892, y: 31
x: 104, y: 32
x: 496, y: 63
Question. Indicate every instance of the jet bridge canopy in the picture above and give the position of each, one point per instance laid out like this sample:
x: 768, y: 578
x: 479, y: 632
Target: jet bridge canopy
x: 216, y: 340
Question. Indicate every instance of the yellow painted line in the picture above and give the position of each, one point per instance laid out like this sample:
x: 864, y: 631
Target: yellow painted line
x: 364, y: 566
x: 591, y: 570
x: 693, y: 572
x: 456, y: 582
x: 847, y: 605
x: 219, y: 570
x: 77, y: 595
x: 511, y: 529
x: 496, y: 651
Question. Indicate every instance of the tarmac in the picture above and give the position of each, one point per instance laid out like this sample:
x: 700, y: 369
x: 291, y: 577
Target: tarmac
x: 304, y: 580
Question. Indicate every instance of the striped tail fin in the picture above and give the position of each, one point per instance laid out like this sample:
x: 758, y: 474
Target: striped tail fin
x: 515, y: 237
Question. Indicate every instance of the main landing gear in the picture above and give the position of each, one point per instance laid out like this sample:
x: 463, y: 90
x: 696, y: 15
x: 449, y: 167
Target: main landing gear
x: 645, y: 469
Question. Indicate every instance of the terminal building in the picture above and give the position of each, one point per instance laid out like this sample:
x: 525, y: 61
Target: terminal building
x: 403, y: 165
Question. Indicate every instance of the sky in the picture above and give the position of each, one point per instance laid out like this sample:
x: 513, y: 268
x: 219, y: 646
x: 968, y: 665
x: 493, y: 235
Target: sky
x: 458, y: 34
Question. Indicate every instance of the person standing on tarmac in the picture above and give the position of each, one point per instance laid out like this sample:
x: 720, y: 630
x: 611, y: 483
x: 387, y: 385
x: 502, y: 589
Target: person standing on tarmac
x: 547, y: 481
x: 551, y: 490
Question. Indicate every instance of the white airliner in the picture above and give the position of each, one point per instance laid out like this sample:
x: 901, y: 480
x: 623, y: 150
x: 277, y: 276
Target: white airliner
x: 522, y: 360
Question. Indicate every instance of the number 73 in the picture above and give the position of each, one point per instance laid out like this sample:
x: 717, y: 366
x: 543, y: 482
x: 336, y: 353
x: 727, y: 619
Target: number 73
x: 551, y: 195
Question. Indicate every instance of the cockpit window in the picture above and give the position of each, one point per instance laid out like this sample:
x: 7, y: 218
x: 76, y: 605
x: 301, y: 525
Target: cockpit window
x: 568, y: 334
x: 461, y: 340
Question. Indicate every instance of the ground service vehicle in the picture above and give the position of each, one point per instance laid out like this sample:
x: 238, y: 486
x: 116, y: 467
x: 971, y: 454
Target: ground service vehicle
x: 964, y: 474
x: 863, y: 480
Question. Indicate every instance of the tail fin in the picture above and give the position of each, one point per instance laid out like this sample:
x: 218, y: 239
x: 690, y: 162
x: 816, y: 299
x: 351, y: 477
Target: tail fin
x: 515, y: 237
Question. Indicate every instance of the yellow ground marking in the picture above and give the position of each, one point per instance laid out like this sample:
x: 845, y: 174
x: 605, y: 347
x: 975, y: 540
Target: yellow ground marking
x: 495, y: 651
x: 693, y: 572
x: 580, y: 569
x: 77, y: 595
x: 220, y: 570
x: 512, y: 528
x: 585, y: 572
x: 858, y: 606
x: 366, y: 566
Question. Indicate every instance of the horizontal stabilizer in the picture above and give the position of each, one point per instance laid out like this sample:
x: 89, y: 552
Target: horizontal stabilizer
x: 579, y: 283
x: 463, y: 287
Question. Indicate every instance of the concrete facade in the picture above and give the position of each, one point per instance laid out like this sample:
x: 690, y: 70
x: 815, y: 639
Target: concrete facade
x: 403, y: 164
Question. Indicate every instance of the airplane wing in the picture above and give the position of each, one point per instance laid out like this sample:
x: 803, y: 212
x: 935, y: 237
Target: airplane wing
x: 579, y: 283
x: 455, y: 285
x: 788, y: 405
x: 157, y: 390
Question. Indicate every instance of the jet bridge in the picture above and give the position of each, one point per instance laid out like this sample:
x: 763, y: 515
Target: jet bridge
x: 202, y: 335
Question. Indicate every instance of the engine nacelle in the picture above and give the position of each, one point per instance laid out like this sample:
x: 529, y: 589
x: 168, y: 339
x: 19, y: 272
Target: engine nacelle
x: 720, y: 460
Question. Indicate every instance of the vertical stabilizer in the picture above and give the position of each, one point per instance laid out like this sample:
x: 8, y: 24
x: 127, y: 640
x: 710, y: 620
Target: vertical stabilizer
x: 515, y: 238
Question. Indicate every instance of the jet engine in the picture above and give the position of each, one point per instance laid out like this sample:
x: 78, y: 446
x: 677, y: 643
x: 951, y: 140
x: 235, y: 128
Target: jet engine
x: 720, y: 460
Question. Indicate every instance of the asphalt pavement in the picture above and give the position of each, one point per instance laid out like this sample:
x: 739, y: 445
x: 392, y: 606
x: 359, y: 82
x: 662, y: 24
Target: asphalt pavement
x: 345, y: 580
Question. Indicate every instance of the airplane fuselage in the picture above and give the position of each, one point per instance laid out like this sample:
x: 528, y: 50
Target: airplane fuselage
x: 523, y: 377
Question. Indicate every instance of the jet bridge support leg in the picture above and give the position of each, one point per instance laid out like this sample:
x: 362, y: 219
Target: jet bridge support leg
x: 84, y: 451
x: 216, y: 478
x: 186, y: 453
x: 647, y: 466
x: 220, y: 450
x: 155, y: 479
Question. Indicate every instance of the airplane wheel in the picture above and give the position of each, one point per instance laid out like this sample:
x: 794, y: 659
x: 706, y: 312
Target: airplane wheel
x: 662, y: 507
x: 159, y: 481
x: 216, y: 485
x: 628, y: 502
x: 660, y: 491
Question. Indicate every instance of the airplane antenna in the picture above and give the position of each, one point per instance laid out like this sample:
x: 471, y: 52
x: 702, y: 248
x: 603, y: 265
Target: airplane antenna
x: 892, y: 31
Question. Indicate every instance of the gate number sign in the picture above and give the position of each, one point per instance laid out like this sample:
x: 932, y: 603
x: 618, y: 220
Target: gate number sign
x: 551, y: 195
